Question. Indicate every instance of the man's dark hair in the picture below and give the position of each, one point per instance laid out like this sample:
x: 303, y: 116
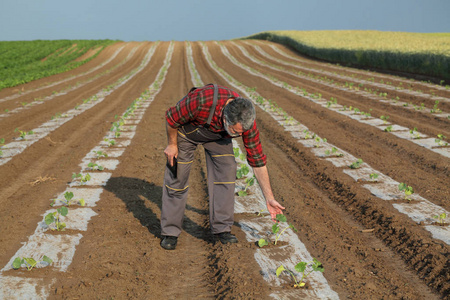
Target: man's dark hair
x: 240, y: 110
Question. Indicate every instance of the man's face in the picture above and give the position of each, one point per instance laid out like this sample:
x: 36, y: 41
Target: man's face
x: 233, y: 130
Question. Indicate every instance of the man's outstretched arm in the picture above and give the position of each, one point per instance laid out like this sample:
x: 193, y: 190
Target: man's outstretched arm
x: 171, y: 150
x: 262, y: 175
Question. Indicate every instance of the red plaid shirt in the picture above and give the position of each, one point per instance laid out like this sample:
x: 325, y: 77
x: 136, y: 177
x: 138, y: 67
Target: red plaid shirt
x: 195, y: 108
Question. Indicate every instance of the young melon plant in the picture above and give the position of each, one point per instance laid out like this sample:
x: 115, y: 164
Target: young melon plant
x: 407, y: 190
x: 68, y: 200
x: 440, y: 218
x: 315, y: 265
x: 334, y: 151
x: 440, y: 140
x: 23, y: 134
x: 249, y: 182
x: 55, y: 217
x: 83, y: 179
x: 242, y: 171
x: 414, y: 134
x: 357, y: 164
x: 276, y: 230
x: 2, y: 142
x: 94, y: 166
x: 29, y: 262
x: 373, y: 176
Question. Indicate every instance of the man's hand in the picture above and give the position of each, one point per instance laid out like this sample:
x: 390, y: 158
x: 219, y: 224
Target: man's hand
x: 274, y: 208
x: 171, y: 151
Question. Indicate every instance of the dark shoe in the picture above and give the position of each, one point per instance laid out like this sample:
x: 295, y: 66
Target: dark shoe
x: 169, y: 242
x: 226, y: 238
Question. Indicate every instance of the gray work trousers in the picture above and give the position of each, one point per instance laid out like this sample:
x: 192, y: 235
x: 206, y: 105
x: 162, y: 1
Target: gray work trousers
x: 221, y: 169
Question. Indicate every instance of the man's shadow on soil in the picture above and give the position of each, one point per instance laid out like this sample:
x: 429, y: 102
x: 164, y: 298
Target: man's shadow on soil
x: 134, y: 192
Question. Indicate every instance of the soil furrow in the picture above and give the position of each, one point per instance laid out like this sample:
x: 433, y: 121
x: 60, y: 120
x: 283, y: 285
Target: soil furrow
x: 55, y: 158
x: 341, y: 80
x: 29, y: 119
x: 133, y: 200
x: 397, y: 114
x: 319, y: 172
x: 395, y: 157
x: 368, y: 249
x: 405, y: 80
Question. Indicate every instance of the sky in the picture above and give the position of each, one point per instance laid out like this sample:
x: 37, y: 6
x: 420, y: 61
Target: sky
x: 202, y: 20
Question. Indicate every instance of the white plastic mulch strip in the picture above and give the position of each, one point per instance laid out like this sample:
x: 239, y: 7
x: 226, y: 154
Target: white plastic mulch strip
x: 403, y: 132
x: 368, y: 73
x: 67, y: 90
x: 67, y: 79
x: 288, y: 255
x: 383, y: 189
x: 61, y: 248
x: 14, y: 148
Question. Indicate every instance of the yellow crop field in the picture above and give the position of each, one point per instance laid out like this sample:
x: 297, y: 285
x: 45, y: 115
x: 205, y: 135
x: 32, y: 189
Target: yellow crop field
x: 423, y: 53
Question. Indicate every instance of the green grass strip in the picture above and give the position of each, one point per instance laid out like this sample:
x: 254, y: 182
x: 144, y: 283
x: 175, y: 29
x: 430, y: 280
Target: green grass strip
x: 25, y: 61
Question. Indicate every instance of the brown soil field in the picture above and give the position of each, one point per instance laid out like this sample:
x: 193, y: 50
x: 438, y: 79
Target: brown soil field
x: 369, y: 250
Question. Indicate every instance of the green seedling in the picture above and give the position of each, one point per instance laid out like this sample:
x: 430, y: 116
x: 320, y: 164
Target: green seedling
x: 408, y: 190
x: 388, y: 129
x: 242, y: 171
x: 276, y: 230
x: 440, y: 140
x: 95, y: 166
x: 440, y: 218
x: 318, y: 140
x: 110, y: 142
x: 435, y: 108
x: 309, y: 134
x: 334, y: 151
x: 2, y: 142
x: 55, y: 217
x: 373, y: 176
x: 385, y: 119
x: 29, y: 262
x: 68, y: 200
x: 83, y: 179
x: 249, y: 182
x: 357, y: 164
x: 23, y: 134
x: 100, y: 153
x: 414, y: 134
x: 236, y: 152
x: 301, y: 268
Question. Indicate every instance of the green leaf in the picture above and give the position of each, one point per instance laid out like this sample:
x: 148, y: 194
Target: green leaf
x: 242, y: 193
x: 262, y: 243
x: 63, y: 211
x: 275, y: 228
x: 281, y: 218
x: 301, y: 266
x: 47, y: 259
x: 317, y: 266
x: 279, y: 270
x: 49, y: 218
x: 30, y: 261
x: 82, y: 202
x: 62, y: 227
x: 68, y: 196
x: 17, y: 263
